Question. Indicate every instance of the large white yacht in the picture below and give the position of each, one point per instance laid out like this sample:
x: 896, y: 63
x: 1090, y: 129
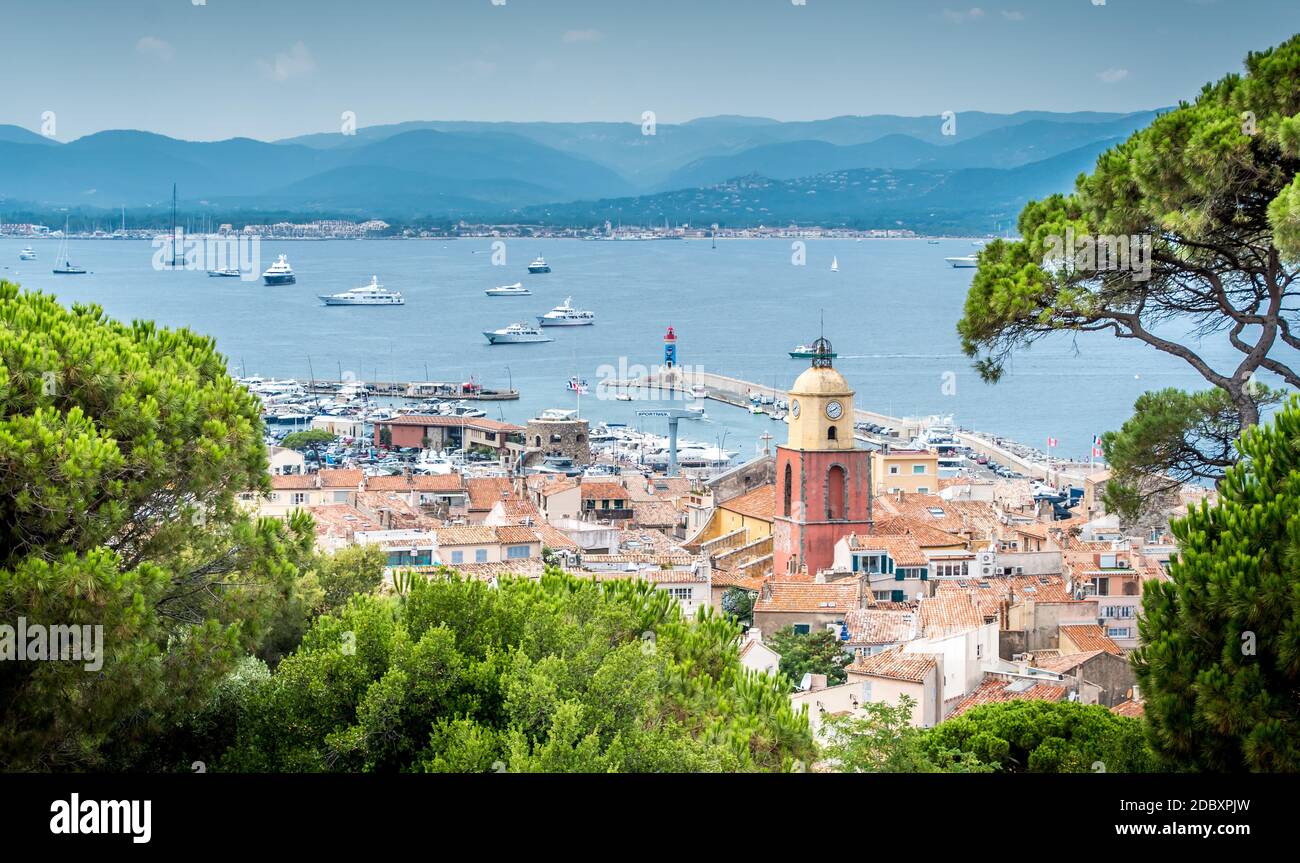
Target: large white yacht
x: 565, y: 315
x: 515, y: 290
x: 964, y: 261
x: 27, y: 254
x: 539, y: 266
x: 516, y: 333
x: 279, y: 273
x: 373, y: 294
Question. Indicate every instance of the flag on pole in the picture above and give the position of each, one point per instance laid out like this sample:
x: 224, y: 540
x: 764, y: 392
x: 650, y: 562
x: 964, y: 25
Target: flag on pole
x: 1051, y: 442
x: 1096, y: 446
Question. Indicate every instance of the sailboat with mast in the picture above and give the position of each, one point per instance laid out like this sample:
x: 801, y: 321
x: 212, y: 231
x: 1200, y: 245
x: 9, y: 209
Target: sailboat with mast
x: 67, y: 268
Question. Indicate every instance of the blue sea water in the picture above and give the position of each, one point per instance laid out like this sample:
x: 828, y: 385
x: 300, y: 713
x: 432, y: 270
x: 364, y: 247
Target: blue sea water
x: 890, y: 313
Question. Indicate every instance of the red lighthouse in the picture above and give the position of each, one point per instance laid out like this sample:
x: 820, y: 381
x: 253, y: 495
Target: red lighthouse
x: 670, y: 349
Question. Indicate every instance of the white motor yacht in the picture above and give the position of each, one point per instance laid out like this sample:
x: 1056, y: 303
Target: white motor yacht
x: 515, y: 334
x: 373, y: 294
x: 565, y: 315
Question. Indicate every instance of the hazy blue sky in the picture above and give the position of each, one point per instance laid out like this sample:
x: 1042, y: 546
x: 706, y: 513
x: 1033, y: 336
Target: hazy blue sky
x: 273, y: 68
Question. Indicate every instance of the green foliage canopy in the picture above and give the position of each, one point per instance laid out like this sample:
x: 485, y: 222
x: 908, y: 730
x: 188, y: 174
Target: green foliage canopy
x: 1220, y: 659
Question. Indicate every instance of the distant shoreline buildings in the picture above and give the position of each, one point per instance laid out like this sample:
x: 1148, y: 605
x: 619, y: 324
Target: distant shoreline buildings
x: 342, y: 229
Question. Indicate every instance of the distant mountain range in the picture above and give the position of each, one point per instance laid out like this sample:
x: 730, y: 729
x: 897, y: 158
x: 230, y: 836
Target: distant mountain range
x: 733, y: 170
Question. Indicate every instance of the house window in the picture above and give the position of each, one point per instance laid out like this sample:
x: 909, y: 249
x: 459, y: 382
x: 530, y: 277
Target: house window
x: 881, y: 595
x: 340, y: 497
x: 979, y: 650
x: 480, y: 555
x: 1120, y: 631
x: 866, y: 690
x: 458, y: 557
x: 893, y: 469
x: 801, y: 628
x: 925, y: 489
x: 1099, y: 586
x: 517, y: 552
x: 897, y: 596
x: 830, y: 433
x: 299, y: 498
x: 918, y: 469
x: 681, y: 594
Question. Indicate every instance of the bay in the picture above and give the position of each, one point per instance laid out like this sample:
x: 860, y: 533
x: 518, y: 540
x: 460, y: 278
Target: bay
x: 890, y: 312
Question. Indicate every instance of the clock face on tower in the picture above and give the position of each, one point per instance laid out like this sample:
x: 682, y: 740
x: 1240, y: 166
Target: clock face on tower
x: 834, y: 410
x: 794, y: 408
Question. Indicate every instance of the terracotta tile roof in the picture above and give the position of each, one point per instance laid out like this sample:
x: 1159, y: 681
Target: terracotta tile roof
x: 654, y: 576
x: 728, y: 578
x: 995, y: 689
x: 989, y: 593
x: 1089, y: 636
x: 948, y: 614
x: 515, y: 534
x: 416, y: 482
x: 758, y: 504
x: 902, y: 549
x: 654, y: 513
x: 603, y: 491
x: 1065, y: 663
x: 348, y: 478
x: 340, y: 521
x: 294, y: 482
x: 868, y: 626
x: 660, y: 488
x: 925, y: 535
x: 519, y: 511
x: 548, y: 486
x: 427, y: 421
x: 896, y: 665
x: 808, y: 597
x: 465, y: 535
x: 1129, y: 708
x: 531, y: 568
x: 484, y: 492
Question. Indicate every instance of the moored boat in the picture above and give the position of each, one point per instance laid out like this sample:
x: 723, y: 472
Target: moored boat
x: 279, y: 273
x: 516, y: 334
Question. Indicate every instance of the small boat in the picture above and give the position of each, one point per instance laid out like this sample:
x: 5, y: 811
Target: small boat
x: 755, y: 409
x: 373, y: 294
x: 932, y: 242
x: 835, y: 265
x: 227, y: 273
x: 68, y: 268
x: 515, y: 290
x: 565, y: 315
x: 279, y: 273
x: 27, y: 254
x: 807, y: 352
x: 515, y: 334
x: 539, y: 266
x: 623, y: 397
x: 964, y: 262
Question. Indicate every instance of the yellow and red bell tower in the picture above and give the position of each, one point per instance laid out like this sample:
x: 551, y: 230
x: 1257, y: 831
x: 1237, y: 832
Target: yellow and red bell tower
x: 823, y: 481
